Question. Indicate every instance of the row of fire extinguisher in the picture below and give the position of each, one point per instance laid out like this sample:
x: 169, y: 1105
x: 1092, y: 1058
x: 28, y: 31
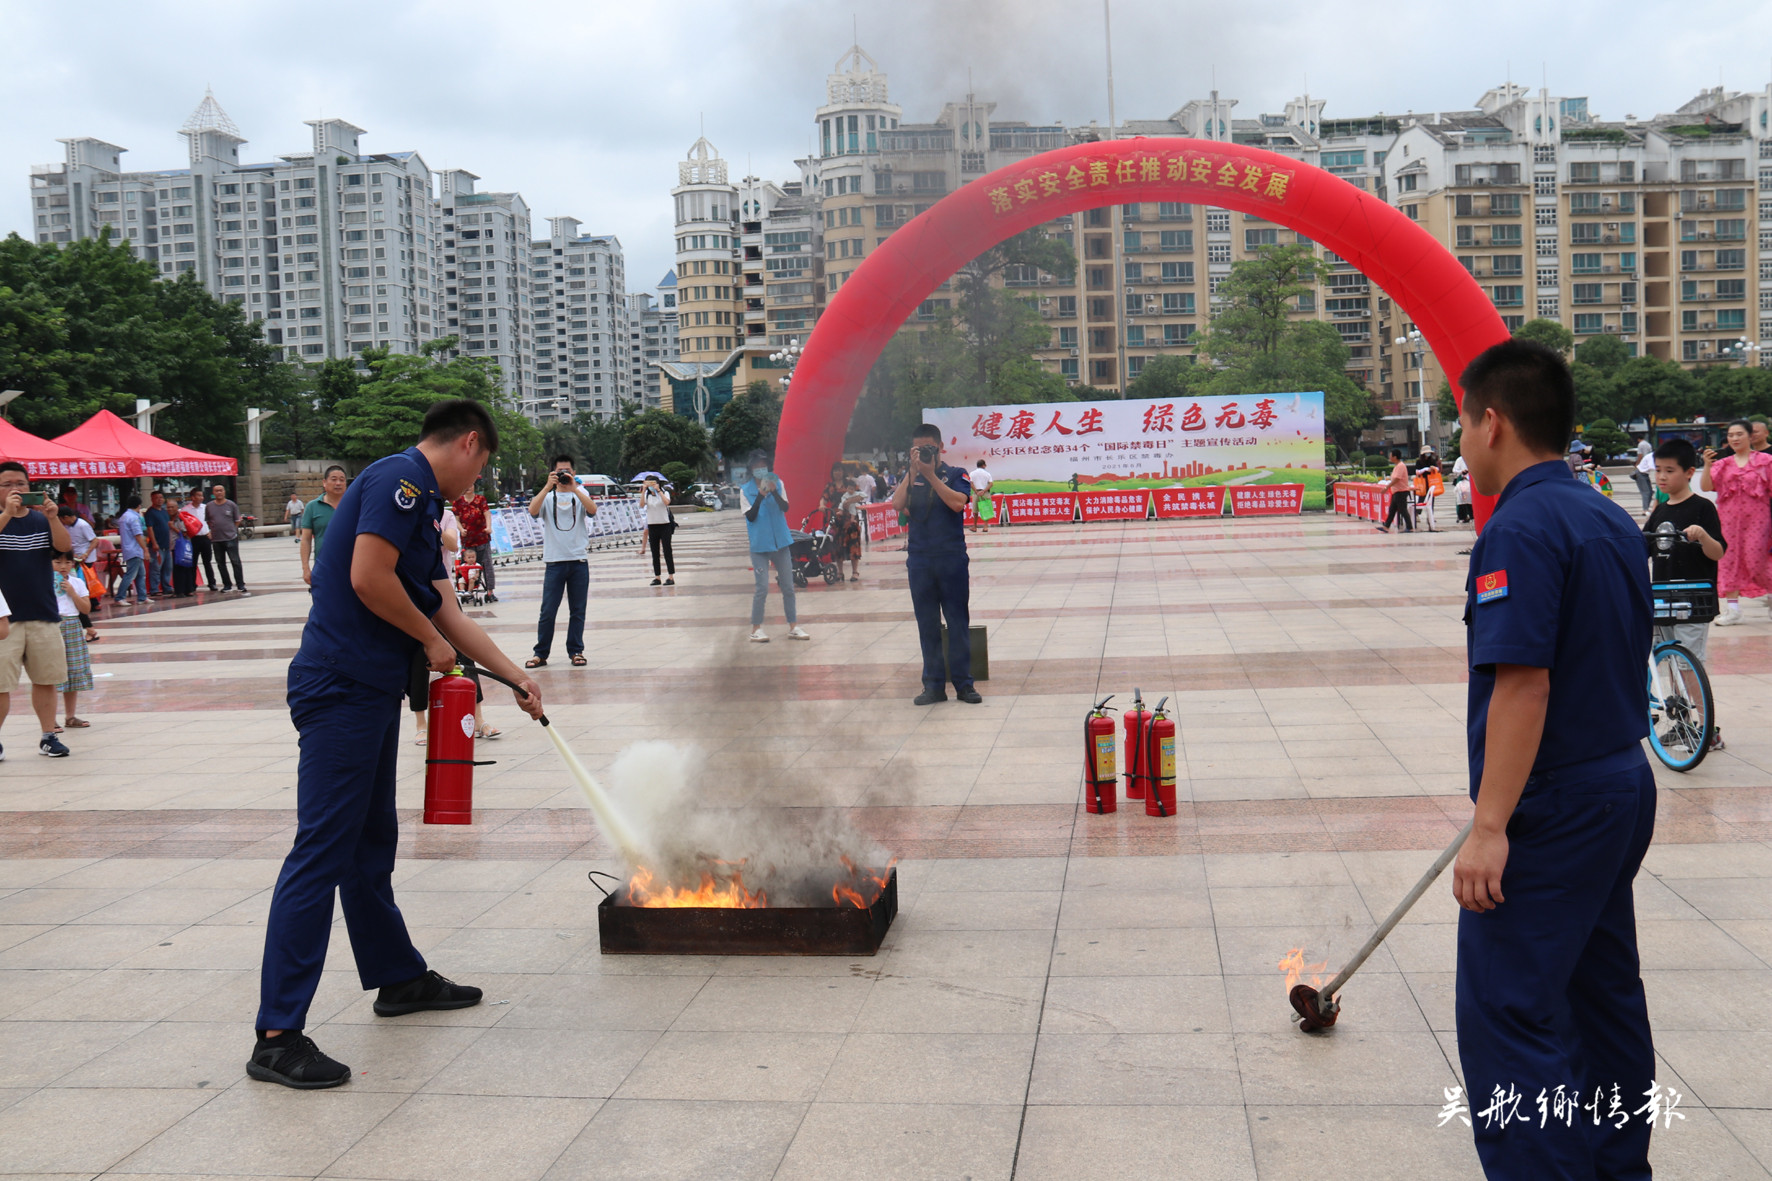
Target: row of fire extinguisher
x: 1149, y: 744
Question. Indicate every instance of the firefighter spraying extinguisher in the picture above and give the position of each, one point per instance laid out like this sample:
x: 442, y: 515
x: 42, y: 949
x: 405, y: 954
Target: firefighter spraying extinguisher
x: 1098, y: 759
x: 1159, y: 761
x: 1137, y: 770
x: 449, y: 751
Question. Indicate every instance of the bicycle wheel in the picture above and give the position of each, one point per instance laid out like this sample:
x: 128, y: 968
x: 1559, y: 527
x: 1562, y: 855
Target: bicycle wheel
x: 1681, y: 713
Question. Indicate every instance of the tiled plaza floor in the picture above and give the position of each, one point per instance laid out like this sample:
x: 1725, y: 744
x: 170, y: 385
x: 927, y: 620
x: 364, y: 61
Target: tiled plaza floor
x: 1062, y: 996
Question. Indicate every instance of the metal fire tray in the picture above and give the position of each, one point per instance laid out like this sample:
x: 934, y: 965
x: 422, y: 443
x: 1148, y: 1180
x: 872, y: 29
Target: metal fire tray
x: 769, y: 930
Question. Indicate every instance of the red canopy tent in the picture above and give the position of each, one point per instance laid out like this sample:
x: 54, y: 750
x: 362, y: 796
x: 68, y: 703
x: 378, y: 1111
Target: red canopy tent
x: 44, y: 459
x: 106, y: 435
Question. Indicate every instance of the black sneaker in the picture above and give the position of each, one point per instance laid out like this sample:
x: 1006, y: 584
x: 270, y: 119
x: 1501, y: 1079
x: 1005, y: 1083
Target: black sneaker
x: 293, y: 1060
x: 52, y: 746
x: 930, y: 697
x: 430, y: 991
x: 969, y: 695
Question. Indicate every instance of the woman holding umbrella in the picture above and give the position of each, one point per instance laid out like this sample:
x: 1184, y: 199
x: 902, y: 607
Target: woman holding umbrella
x: 655, y: 498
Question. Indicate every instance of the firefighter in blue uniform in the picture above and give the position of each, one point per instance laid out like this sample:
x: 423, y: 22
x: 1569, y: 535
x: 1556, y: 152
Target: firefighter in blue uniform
x: 1549, y: 996
x: 381, y: 604
x: 933, y: 496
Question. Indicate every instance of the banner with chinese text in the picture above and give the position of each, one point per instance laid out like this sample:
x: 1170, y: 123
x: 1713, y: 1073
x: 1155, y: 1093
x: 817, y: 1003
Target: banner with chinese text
x: 1189, y: 502
x: 1037, y: 508
x: 1368, y: 502
x: 881, y: 521
x: 1266, y: 500
x: 1129, y: 505
x: 1142, y: 443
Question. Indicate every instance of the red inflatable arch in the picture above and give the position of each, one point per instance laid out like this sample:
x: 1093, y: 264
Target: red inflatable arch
x: 1432, y: 288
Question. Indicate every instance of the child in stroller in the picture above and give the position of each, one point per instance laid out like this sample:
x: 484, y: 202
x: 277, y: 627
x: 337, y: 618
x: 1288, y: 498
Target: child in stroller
x: 814, y: 552
x: 468, y: 590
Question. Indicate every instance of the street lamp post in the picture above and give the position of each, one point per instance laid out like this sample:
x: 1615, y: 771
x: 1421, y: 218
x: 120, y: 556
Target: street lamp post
x: 1424, y: 409
x: 144, y: 422
x: 1743, y: 347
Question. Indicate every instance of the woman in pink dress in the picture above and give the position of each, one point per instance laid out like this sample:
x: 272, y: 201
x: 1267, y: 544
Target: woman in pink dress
x: 1742, y: 481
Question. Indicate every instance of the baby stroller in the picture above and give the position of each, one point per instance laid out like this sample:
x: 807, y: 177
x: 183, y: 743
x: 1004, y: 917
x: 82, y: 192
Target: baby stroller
x: 468, y: 590
x: 814, y: 553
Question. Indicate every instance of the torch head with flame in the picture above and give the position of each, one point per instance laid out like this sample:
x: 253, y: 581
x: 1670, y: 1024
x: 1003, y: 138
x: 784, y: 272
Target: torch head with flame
x: 1315, y: 1011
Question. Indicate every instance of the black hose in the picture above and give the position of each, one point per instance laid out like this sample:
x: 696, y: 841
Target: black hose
x: 513, y: 687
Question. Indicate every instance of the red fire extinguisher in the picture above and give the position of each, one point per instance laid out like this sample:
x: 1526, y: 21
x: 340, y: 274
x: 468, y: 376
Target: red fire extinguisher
x: 1159, y: 759
x: 449, y: 751
x: 1098, y: 759
x: 1137, y: 770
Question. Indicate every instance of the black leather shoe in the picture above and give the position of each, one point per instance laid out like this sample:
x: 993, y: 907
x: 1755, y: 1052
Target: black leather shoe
x: 293, y: 1060
x: 929, y: 697
x: 969, y: 696
x: 430, y: 991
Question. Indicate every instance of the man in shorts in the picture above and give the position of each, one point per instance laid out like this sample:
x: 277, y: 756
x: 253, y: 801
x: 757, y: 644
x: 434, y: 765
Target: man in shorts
x: 29, y: 540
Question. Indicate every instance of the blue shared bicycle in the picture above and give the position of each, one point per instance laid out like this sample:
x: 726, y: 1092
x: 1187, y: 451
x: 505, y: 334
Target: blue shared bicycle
x: 1682, y: 712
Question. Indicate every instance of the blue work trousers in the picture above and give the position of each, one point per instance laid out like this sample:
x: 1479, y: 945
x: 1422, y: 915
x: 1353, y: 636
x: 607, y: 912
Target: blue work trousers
x: 783, y: 561
x: 1549, y: 992
x: 573, y: 580
x: 941, y: 588
x: 345, y: 836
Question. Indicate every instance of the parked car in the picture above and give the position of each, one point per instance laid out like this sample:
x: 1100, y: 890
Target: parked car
x: 707, y: 494
x: 601, y: 486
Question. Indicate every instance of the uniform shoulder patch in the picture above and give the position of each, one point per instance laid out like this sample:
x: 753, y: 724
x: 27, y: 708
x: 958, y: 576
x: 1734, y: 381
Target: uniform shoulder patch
x: 406, y: 496
x: 1492, y: 586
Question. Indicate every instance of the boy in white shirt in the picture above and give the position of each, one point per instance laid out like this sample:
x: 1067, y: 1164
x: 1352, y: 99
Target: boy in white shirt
x: 982, y: 506
x: 71, y: 602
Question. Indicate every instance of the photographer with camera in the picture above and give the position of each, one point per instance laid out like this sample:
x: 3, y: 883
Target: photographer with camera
x: 932, y: 500
x: 564, y: 508
x: 765, y: 505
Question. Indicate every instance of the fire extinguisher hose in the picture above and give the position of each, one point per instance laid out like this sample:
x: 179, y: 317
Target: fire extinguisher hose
x: 1154, y: 762
x: 1089, y: 746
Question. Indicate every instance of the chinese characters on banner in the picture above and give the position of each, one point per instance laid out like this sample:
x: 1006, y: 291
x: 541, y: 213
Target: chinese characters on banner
x: 80, y: 469
x: 1210, y: 171
x: 881, y: 521
x: 1140, y: 443
x: 1266, y: 500
x: 1128, y: 505
x: 1368, y: 502
x: 1206, y: 501
x: 1037, y: 508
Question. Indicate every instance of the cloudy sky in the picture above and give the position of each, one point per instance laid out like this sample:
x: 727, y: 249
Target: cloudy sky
x: 585, y: 107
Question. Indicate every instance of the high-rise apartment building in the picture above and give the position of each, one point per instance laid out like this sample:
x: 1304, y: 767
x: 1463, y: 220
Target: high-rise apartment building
x: 486, y: 277
x: 582, y: 356
x: 336, y: 250
x: 1658, y: 230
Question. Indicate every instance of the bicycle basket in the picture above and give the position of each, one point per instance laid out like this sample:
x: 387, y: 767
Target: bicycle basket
x: 1684, y: 602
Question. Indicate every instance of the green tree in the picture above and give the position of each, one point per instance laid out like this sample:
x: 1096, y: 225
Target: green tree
x: 1651, y: 389
x: 748, y: 422
x: 1603, y: 435
x: 599, y: 443
x: 1605, y: 352
x: 1596, y: 393
x: 657, y: 437
x: 1254, y: 323
x: 1546, y: 332
x: 383, y: 415
x: 1169, y: 376
x: 1349, y: 410
x: 680, y: 476
x: 1727, y: 392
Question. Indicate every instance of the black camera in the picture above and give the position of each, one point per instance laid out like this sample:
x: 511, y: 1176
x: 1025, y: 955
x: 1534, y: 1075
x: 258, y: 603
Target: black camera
x: 562, y: 477
x: 927, y: 454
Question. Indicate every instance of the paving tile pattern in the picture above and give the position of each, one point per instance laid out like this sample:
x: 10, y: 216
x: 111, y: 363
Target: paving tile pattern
x: 1062, y: 996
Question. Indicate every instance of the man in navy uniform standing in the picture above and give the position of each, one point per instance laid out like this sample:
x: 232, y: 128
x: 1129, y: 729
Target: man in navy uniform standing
x: 1549, y: 996
x: 380, y: 598
x: 933, y: 496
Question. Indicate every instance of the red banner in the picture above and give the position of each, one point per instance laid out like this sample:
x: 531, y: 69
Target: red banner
x: 1118, y: 504
x: 881, y: 521
x: 1368, y: 502
x: 1189, y: 502
x: 1037, y: 508
x: 1266, y: 500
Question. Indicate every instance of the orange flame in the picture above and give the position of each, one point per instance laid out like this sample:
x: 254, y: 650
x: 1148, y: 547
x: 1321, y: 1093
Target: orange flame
x: 728, y: 895
x: 1294, y: 967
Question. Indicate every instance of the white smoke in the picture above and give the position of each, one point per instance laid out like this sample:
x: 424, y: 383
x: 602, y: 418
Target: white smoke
x: 660, y: 789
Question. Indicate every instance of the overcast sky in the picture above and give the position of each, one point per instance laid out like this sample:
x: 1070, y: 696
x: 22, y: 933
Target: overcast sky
x: 585, y: 107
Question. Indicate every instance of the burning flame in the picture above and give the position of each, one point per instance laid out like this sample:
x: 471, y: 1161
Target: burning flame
x: 841, y: 894
x: 728, y: 895
x: 1295, y: 967
x: 724, y: 888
